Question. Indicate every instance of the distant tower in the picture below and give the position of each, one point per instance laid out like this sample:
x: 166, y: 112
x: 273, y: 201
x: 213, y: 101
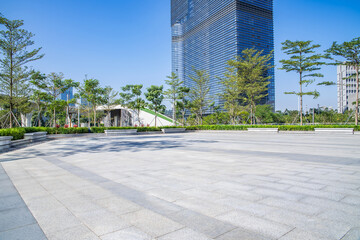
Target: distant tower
x: 346, y: 88
x: 68, y: 95
x: 205, y: 34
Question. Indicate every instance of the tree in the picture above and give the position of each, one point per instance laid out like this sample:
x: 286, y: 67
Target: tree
x: 174, y: 91
x: 245, y: 82
x: 304, y: 61
x: 131, y: 98
x: 40, y: 99
x: 155, y: 96
x: 14, y: 42
x: 252, y: 68
x: 53, y: 84
x: 109, y: 100
x: 231, y: 93
x: 93, y: 93
x: 199, y: 94
x: 183, y: 103
x: 350, y: 51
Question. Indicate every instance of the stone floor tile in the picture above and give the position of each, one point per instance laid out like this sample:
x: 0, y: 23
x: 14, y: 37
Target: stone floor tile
x: 56, y: 220
x: 296, y: 206
x: 298, y: 234
x: 240, y: 233
x: 28, y: 232
x: 353, y: 234
x: 184, y: 233
x: 118, y: 205
x: 151, y: 223
x: 10, y: 202
x: 257, y: 225
x: 205, y: 207
x: 15, y: 218
x: 131, y: 233
x: 74, y: 233
x: 279, y: 194
x: 352, y: 200
x: 316, y: 193
x: 102, y: 221
x: 210, y: 227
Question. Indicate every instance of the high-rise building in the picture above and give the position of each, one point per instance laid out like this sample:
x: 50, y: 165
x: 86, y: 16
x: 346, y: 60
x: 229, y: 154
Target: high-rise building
x: 207, y: 33
x: 67, y: 95
x: 346, y: 87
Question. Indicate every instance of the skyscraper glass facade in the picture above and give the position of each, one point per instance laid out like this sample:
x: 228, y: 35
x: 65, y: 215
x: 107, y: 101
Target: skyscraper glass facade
x: 207, y: 33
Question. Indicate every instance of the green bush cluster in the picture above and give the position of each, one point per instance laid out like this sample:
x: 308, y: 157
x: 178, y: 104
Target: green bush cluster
x: 281, y: 127
x: 51, y: 130
x: 17, y: 133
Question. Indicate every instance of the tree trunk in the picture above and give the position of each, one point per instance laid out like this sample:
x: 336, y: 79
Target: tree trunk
x: 11, y: 88
x: 94, y: 116
x: 89, y: 120
x: 357, y: 95
x: 301, y: 101
x: 254, y: 112
x: 251, y: 116
x: 54, y: 117
x: 155, y: 118
x: 174, y: 112
x: 39, y: 116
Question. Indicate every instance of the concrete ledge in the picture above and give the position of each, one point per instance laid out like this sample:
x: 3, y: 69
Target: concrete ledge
x: 271, y: 130
x: 5, y: 143
x: 35, y: 136
x: 173, y: 130
x: 121, y: 132
x: 335, y: 130
x: 20, y: 142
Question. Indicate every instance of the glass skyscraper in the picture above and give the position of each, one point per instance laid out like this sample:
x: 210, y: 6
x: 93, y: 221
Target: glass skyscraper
x: 207, y: 33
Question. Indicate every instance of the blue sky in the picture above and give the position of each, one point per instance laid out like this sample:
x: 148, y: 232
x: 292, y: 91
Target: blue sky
x: 124, y: 42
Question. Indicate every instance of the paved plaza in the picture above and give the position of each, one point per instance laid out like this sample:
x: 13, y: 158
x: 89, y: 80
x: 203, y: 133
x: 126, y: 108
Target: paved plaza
x: 191, y: 186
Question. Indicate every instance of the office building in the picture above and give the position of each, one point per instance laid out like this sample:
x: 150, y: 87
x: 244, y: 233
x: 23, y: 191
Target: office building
x: 68, y: 95
x: 207, y: 33
x: 346, y: 88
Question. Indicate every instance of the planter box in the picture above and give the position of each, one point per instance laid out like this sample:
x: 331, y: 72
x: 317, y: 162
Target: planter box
x: 5, y: 143
x: 270, y: 130
x: 335, y: 130
x: 35, y: 136
x: 173, y: 130
x: 121, y: 132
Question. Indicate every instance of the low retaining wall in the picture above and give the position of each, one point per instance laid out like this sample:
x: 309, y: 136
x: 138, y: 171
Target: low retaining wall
x: 35, y: 136
x: 173, y: 130
x: 5, y: 143
x: 121, y: 132
x: 335, y: 130
x: 270, y: 130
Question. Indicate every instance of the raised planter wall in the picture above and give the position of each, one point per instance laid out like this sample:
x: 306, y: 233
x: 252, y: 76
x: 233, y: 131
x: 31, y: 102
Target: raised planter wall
x: 35, y: 136
x: 335, y: 130
x: 5, y: 143
x: 270, y: 130
x: 173, y: 130
x: 121, y: 132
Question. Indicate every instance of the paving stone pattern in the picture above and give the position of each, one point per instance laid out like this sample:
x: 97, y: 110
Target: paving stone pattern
x: 192, y: 186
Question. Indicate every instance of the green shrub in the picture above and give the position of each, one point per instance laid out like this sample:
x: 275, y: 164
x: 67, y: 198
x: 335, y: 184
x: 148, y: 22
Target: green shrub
x: 51, y: 130
x: 281, y: 127
x: 17, y: 133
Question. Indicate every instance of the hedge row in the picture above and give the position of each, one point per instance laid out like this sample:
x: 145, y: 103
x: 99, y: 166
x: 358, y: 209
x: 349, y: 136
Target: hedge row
x: 281, y: 127
x: 18, y: 133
